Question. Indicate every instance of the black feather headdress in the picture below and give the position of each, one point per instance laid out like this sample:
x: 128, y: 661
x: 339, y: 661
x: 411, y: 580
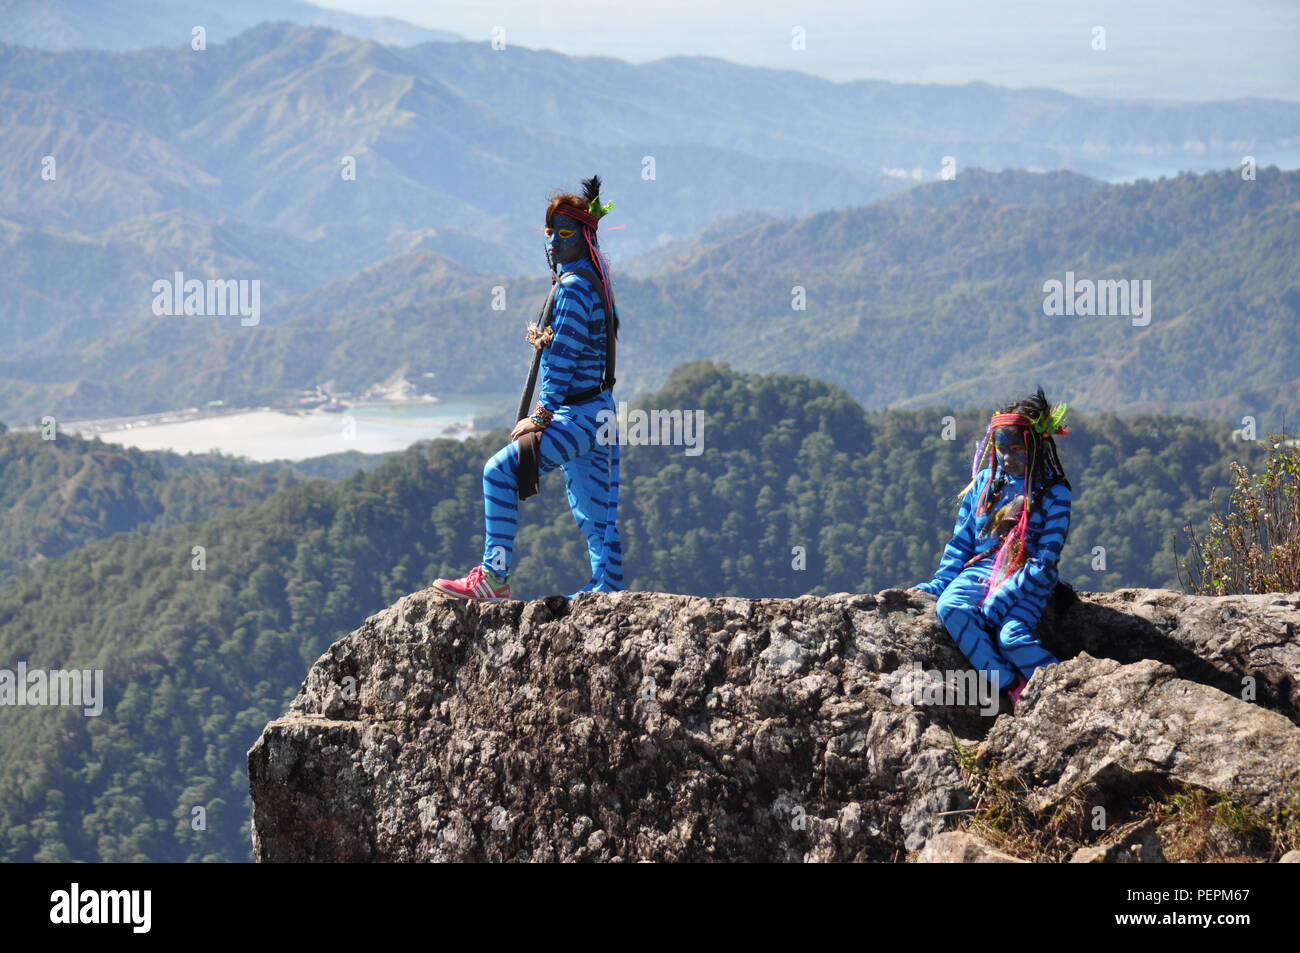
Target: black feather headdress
x: 591, y: 195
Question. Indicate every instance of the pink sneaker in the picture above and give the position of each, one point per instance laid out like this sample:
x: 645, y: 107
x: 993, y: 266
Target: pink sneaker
x: 477, y: 584
x: 1016, y: 688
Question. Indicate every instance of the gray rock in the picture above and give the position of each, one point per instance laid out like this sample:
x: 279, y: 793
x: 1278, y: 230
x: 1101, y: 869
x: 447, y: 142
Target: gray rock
x: 958, y: 847
x: 1218, y: 641
x: 630, y: 726
x: 1116, y: 731
x: 1134, y: 843
x: 641, y: 726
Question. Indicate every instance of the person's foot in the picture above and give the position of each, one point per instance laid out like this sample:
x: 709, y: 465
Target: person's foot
x: 1016, y: 688
x: 478, y: 583
x: 592, y: 587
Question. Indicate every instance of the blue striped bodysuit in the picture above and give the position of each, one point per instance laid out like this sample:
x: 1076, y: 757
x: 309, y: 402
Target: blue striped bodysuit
x: 573, y: 362
x: 997, y: 634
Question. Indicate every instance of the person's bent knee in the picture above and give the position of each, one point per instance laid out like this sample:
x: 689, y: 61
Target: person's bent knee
x: 498, y: 463
x: 1015, y: 634
x: 946, y: 607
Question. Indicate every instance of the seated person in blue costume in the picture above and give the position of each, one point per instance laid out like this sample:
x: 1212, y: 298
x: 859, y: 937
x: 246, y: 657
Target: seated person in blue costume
x: 1000, y: 566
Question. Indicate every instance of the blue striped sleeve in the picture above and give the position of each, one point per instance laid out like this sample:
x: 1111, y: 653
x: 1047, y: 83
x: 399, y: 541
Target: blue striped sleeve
x: 961, y: 546
x: 573, y: 310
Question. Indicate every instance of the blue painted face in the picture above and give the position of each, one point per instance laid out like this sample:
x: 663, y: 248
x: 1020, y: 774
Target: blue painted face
x: 1009, y: 444
x: 564, y: 239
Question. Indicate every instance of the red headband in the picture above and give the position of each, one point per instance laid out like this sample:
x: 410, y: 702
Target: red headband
x: 581, y: 215
x: 1020, y: 420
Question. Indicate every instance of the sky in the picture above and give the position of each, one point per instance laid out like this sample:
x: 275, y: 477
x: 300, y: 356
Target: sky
x: 1154, y: 49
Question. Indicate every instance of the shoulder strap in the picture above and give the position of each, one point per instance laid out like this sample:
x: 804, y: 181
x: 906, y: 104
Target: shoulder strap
x: 543, y: 320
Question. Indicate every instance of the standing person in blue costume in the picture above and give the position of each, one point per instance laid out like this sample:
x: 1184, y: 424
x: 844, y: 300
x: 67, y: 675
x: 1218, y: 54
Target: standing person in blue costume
x: 1000, y: 566
x: 571, y: 424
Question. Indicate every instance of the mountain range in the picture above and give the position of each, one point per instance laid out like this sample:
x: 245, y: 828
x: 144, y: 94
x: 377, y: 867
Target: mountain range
x: 457, y: 135
x: 934, y: 297
x: 135, y: 24
x: 235, y: 162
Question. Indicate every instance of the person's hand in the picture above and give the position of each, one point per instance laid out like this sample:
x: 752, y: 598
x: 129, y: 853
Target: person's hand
x: 527, y: 425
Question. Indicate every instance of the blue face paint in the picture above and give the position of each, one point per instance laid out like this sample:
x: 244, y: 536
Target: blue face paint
x: 565, y: 250
x: 1009, y: 443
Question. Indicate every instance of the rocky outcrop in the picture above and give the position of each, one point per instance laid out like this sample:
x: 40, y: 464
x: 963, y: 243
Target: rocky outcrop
x: 1118, y: 731
x: 1234, y: 643
x: 646, y: 726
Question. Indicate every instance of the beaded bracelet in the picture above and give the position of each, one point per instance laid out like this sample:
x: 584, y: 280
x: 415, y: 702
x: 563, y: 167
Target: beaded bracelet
x: 542, y: 415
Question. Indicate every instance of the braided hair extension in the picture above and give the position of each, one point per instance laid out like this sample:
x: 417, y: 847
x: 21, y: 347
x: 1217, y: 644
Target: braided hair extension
x: 591, y: 196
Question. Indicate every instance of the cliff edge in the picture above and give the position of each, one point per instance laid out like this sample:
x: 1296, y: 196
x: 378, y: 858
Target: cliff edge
x: 647, y: 726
